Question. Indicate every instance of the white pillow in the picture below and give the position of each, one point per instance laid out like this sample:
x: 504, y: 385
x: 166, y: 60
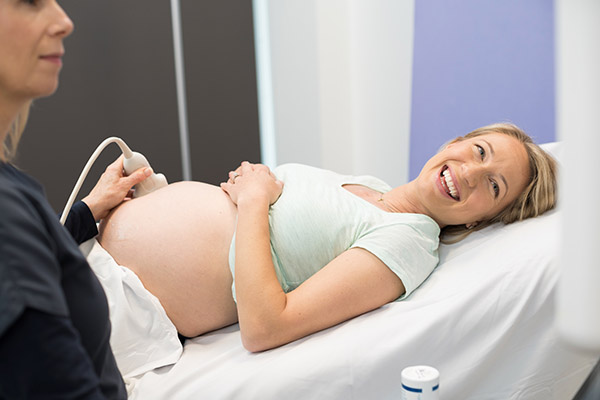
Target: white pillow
x: 554, y: 148
x: 142, y: 337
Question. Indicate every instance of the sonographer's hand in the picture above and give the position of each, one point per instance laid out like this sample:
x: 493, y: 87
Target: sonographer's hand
x: 253, y: 183
x: 113, y: 188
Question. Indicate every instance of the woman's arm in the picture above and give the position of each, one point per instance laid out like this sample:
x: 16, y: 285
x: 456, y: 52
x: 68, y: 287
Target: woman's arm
x: 80, y: 222
x: 353, y: 283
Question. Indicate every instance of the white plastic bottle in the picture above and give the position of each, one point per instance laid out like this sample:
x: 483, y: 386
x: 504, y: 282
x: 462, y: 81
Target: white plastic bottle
x: 420, y: 382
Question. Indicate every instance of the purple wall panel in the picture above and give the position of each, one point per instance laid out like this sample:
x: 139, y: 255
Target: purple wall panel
x: 478, y: 62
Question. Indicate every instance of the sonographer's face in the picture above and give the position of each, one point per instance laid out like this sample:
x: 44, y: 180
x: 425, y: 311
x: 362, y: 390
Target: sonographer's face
x: 31, y: 47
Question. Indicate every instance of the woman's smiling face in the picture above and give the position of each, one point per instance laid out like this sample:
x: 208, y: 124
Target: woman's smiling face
x: 31, y: 48
x: 472, y: 180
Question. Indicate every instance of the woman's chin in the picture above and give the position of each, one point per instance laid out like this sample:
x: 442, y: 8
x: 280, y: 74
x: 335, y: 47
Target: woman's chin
x: 48, y: 91
x: 43, y: 89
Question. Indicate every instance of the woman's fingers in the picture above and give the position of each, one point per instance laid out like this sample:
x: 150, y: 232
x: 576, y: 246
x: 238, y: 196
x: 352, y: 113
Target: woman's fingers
x: 245, y: 167
x: 254, y: 181
x: 232, y: 175
x: 248, y: 168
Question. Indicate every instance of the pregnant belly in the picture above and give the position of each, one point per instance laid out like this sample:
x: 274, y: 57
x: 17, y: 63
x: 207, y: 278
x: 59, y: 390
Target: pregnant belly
x: 177, y: 241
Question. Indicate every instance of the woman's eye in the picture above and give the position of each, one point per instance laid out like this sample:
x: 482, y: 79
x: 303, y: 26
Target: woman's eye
x: 481, y: 151
x: 496, y: 188
x: 30, y: 2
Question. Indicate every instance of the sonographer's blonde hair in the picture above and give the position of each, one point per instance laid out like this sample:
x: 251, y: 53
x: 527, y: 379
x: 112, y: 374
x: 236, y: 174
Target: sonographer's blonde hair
x: 11, y: 142
x: 539, y: 196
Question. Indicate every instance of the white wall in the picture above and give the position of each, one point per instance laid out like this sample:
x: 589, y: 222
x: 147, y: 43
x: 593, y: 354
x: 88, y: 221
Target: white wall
x: 341, y: 84
x: 578, y: 105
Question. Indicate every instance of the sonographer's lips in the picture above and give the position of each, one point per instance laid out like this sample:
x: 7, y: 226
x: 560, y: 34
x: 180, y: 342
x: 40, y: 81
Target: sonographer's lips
x: 55, y: 58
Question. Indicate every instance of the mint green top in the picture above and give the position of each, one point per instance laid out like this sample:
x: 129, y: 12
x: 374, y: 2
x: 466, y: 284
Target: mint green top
x: 316, y: 219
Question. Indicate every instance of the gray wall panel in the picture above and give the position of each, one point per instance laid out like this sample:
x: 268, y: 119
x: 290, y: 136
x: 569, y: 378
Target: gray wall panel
x: 118, y: 79
x: 221, y: 79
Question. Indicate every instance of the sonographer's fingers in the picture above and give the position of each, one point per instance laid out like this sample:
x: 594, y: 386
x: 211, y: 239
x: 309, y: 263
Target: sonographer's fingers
x: 117, y: 164
x: 116, y: 169
x: 112, y: 188
x: 138, y: 176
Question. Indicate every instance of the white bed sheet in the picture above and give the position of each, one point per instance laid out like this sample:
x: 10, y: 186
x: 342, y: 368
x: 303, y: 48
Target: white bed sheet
x: 484, y: 319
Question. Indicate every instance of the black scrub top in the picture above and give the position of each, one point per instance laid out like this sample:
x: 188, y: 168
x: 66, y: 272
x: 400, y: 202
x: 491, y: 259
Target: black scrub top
x: 54, y: 326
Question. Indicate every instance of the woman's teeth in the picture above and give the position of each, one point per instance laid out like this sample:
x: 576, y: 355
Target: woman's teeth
x: 450, y: 184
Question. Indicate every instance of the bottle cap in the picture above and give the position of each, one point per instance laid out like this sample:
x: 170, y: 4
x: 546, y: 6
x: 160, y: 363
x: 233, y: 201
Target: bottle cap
x: 422, y: 380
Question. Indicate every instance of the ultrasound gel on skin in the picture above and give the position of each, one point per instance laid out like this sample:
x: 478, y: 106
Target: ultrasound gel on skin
x: 420, y: 383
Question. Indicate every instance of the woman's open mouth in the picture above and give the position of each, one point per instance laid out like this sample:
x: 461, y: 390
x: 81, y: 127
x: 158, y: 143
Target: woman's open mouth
x: 448, y: 183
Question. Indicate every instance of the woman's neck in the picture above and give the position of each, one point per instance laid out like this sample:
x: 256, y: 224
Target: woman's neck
x: 407, y: 199
x: 9, y: 110
x: 404, y: 199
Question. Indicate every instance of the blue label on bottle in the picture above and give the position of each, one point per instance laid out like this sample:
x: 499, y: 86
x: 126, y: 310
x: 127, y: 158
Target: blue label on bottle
x: 412, y: 389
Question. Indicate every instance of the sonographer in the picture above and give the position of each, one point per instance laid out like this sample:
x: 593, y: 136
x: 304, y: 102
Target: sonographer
x: 54, y: 326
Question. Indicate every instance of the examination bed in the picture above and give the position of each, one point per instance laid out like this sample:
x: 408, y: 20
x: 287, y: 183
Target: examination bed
x: 484, y: 319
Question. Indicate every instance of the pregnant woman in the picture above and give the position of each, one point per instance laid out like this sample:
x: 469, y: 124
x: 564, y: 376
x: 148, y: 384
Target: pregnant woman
x: 289, y: 252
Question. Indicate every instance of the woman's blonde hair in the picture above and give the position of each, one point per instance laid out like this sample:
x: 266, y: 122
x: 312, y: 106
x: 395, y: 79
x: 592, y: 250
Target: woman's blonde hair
x: 11, y: 142
x: 539, y: 196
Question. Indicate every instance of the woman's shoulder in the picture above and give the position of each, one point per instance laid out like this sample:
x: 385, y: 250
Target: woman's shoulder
x: 25, y: 217
x: 419, y: 225
x: 12, y: 195
x: 18, y: 192
x: 28, y: 269
x: 11, y: 177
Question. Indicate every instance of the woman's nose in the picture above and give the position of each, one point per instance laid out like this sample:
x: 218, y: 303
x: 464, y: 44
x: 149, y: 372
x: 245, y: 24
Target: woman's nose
x: 472, y: 173
x: 61, y: 24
